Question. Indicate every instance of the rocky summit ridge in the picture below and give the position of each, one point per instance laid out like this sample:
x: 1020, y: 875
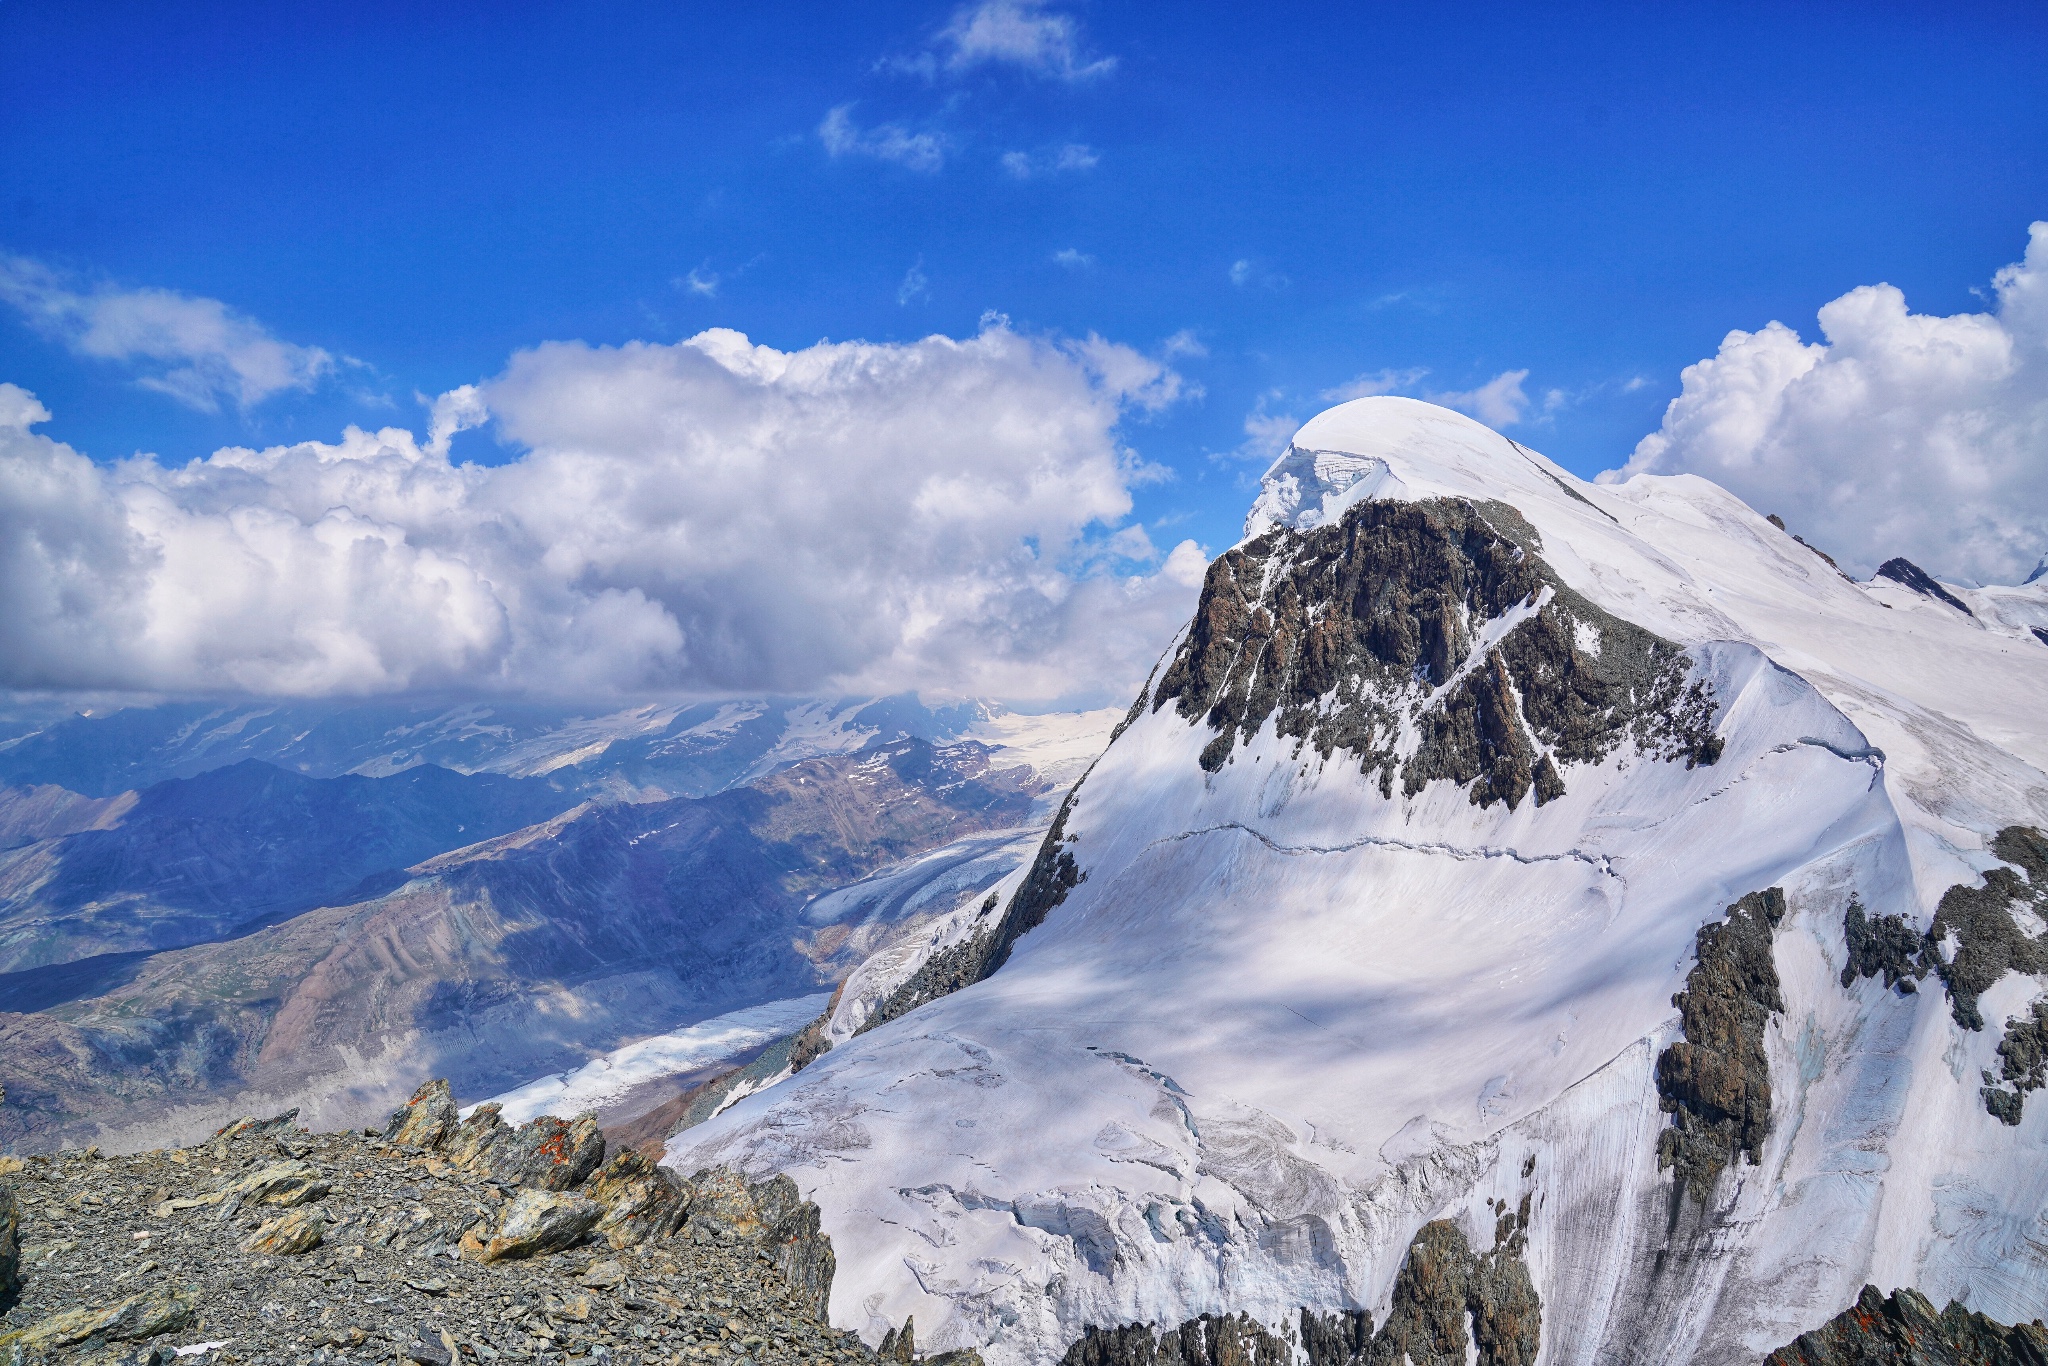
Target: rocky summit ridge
x: 435, y: 1240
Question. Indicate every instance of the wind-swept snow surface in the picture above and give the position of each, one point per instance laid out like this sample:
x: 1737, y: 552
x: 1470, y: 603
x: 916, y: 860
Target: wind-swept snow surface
x: 1383, y: 897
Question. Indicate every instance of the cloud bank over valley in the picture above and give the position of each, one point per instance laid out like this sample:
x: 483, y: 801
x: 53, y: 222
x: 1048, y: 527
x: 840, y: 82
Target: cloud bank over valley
x: 708, y: 516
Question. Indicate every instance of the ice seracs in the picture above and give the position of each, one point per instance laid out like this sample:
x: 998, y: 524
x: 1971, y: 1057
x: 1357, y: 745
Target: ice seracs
x: 1335, y: 967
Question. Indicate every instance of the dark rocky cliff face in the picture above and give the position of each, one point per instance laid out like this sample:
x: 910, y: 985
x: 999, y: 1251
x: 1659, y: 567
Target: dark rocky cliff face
x: 1715, y: 1083
x: 1882, y: 945
x: 1450, y: 1302
x: 1343, y: 633
x: 1989, y: 942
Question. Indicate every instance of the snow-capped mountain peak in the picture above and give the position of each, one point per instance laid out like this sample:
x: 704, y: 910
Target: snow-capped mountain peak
x: 1499, y: 865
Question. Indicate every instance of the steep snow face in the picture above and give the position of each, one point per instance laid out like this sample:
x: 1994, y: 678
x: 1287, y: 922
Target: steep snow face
x: 1341, y: 960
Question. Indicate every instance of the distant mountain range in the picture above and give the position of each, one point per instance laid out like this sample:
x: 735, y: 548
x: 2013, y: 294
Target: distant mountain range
x: 654, y: 750
x: 264, y: 922
x: 196, y: 859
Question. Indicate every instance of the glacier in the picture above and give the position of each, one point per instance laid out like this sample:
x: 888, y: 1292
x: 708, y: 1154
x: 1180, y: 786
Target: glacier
x: 1309, y: 986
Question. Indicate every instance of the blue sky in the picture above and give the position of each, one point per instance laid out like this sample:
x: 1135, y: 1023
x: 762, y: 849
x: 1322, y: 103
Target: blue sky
x: 1273, y: 200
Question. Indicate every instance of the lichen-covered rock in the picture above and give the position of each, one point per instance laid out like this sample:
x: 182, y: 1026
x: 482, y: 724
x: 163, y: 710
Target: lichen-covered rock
x: 795, y: 1242
x: 477, y: 1138
x: 251, y: 1126
x: 604, y: 1275
x: 576, y: 1307
x: 289, y: 1234
x: 10, y: 1247
x: 721, y: 1203
x: 1715, y: 1083
x: 535, y: 1222
x: 547, y: 1153
x: 641, y: 1201
x: 283, y: 1183
x: 425, y: 1121
x: 142, y: 1316
x: 1904, y: 1330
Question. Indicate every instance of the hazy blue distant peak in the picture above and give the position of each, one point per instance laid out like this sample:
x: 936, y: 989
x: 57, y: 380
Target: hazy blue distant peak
x: 640, y: 752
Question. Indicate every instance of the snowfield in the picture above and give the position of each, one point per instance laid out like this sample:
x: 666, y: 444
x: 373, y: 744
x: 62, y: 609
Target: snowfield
x: 1285, y: 1019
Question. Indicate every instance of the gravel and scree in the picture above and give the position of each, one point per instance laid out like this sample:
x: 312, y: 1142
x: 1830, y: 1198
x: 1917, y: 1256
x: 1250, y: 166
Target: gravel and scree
x: 436, y: 1241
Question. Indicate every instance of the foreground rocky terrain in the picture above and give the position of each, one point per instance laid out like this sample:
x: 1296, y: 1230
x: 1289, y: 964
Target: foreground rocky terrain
x: 430, y: 1241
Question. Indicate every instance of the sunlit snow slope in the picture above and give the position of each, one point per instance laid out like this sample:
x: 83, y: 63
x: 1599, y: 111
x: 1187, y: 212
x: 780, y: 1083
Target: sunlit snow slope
x: 1356, y: 947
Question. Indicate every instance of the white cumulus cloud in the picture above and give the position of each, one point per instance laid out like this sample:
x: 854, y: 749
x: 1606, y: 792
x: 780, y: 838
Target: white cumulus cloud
x: 199, y: 351
x: 1898, y: 433
x: 709, y: 516
x: 1266, y: 433
x: 1499, y: 402
x: 1071, y: 156
x: 916, y: 285
x: 1375, y: 382
x: 842, y: 137
x: 1022, y: 33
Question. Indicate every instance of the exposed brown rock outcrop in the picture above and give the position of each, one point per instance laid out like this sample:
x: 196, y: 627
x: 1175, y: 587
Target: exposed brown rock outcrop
x: 1444, y: 1285
x: 1211, y: 1340
x: 10, y: 1247
x: 1904, y: 1330
x: 1715, y: 1083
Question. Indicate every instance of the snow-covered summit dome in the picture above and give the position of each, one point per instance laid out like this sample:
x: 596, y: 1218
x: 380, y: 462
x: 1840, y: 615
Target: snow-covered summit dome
x: 1401, y: 448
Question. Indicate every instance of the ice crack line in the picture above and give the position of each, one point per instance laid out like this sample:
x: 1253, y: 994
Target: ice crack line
x: 1599, y: 862
x: 1868, y: 754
